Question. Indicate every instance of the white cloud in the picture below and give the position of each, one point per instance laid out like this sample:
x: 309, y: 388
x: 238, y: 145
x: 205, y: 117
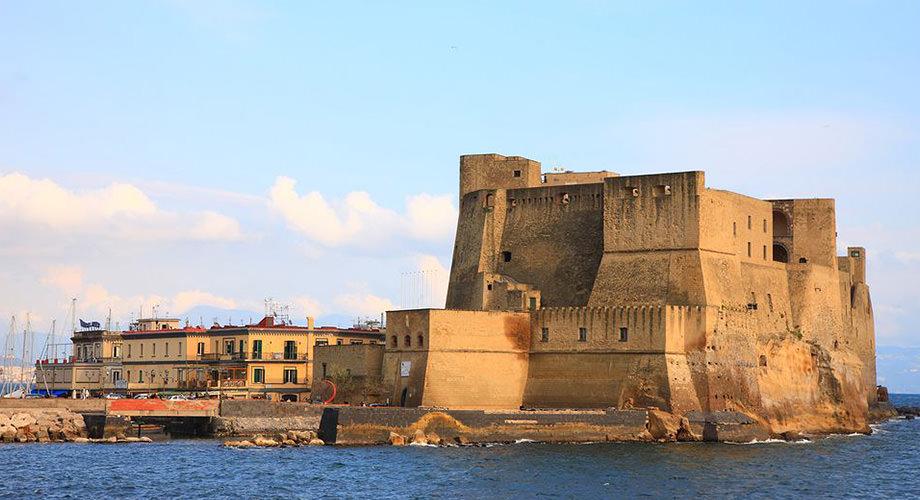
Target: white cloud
x: 68, y: 279
x: 30, y: 206
x: 364, y: 304
x: 430, y: 217
x: 437, y: 277
x: 308, y: 306
x: 183, y: 301
x: 358, y: 219
x: 96, y: 299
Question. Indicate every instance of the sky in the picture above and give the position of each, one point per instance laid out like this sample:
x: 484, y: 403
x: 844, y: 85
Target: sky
x: 202, y: 156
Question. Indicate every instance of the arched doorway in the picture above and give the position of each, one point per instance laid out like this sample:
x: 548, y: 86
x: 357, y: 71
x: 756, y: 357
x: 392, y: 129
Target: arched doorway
x: 780, y: 254
x: 781, y: 226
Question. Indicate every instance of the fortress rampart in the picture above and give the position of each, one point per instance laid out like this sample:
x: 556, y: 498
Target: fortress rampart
x: 655, y: 290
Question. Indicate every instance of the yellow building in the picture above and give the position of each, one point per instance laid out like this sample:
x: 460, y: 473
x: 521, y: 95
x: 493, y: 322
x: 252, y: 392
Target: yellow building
x: 95, y: 365
x: 262, y: 360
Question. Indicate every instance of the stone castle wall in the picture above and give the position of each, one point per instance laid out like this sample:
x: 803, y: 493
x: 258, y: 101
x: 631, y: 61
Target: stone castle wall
x: 729, y: 302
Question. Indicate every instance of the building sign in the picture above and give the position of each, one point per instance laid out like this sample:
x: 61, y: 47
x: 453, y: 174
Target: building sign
x: 404, y: 368
x: 121, y: 384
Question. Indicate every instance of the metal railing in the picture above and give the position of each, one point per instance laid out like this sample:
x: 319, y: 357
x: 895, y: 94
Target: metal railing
x: 254, y: 356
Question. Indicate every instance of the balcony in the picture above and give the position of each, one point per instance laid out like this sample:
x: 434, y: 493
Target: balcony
x: 227, y: 384
x: 234, y: 356
x: 254, y: 356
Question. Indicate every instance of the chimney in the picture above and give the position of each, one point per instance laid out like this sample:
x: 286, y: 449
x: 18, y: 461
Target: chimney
x: 310, y: 322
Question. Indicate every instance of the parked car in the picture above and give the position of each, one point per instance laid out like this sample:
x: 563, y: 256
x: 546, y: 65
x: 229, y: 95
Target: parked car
x: 114, y: 395
x: 178, y: 397
x: 142, y: 396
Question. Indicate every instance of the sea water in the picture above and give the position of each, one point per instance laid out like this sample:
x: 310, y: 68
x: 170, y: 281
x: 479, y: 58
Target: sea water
x: 885, y: 464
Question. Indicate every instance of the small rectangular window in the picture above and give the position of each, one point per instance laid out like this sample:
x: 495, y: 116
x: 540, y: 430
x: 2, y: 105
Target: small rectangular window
x: 166, y: 351
x: 290, y: 375
x: 582, y: 334
x: 200, y: 348
x: 258, y: 375
x: 533, y: 303
x: 734, y: 229
x: 624, y: 334
x: 750, y: 222
x: 765, y: 252
x: 517, y: 173
x: 506, y: 256
x: 544, y: 335
x: 765, y: 225
x: 153, y: 349
x: 749, y: 249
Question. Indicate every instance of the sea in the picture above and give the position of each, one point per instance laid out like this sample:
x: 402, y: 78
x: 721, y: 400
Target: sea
x: 885, y: 464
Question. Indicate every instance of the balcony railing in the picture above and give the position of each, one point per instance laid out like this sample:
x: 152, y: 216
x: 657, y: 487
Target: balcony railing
x: 235, y: 356
x: 254, y: 356
x: 225, y: 384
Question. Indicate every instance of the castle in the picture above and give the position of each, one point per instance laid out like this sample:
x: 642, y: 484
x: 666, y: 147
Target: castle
x: 594, y: 290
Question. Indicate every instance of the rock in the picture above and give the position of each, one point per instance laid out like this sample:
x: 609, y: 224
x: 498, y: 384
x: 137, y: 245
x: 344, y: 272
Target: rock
x: 81, y: 440
x: 112, y: 439
x: 145, y: 439
x: 7, y: 433
x: 792, y: 436
x: 244, y: 444
x: 25, y: 434
x: 433, y: 438
x: 264, y: 442
x: 4, y: 420
x: 397, y: 440
x: 120, y: 436
x: 132, y: 439
x: 685, y: 433
x: 663, y: 426
x: 462, y: 440
x: 317, y: 442
x: 289, y: 442
x: 419, y: 437
x: 20, y: 420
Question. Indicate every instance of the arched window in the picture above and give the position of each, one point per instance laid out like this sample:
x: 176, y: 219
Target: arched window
x: 780, y: 254
x: 407, y: 341
x: 421, y: 340
x: 394, y: 342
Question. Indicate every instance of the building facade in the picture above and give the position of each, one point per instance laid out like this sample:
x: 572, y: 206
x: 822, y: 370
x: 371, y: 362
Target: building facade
x: 648, y: 290
x: 265, y: 360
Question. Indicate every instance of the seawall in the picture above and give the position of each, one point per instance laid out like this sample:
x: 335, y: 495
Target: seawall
x: 370, y: 426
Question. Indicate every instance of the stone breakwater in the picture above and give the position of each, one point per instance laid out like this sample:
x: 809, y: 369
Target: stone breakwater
x: 284, y: 439
x: 41, y: 426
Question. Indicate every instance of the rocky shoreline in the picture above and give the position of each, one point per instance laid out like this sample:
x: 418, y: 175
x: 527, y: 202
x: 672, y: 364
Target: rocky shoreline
x: 41, y: 426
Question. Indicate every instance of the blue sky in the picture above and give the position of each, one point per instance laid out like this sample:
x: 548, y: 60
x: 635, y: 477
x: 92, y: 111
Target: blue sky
x: 221, y: 152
